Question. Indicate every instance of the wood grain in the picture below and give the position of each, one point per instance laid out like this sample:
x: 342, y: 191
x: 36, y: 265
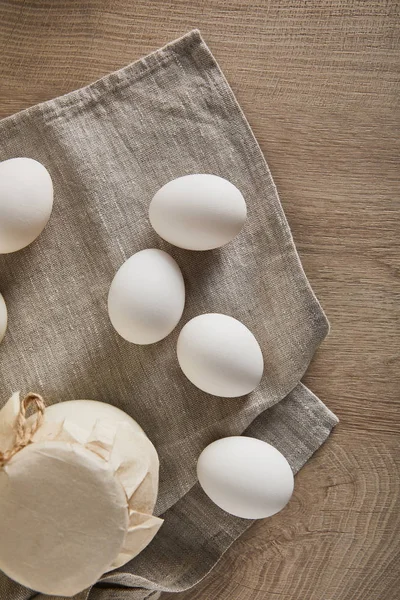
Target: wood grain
x: 319, y: 83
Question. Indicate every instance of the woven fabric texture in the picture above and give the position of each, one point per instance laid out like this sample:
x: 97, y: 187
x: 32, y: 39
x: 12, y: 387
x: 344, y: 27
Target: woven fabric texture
x: 109, y: 147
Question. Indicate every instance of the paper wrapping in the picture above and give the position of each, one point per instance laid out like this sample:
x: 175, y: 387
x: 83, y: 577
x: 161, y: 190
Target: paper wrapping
x: 76, y: 502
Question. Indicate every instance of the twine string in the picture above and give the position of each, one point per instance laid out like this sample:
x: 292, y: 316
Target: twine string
x: 24, y: 433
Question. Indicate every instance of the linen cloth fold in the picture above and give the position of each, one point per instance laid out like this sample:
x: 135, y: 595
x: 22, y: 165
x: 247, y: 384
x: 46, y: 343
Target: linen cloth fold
x: 109, y: 147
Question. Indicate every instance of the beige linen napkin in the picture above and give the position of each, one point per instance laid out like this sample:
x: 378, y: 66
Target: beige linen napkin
x: 108, y: 148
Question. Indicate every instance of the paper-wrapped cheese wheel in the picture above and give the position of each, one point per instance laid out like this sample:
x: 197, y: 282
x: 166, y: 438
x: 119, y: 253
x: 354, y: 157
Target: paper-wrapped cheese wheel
x: 77, y: 492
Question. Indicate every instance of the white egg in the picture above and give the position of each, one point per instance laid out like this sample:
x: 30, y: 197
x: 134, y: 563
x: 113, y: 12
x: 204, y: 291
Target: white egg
x: 219, y: 355
x: 26, y: 201
x: 3, y: 317
x: 245, y: 476
x: 198, y: 212
x: 146, y: 297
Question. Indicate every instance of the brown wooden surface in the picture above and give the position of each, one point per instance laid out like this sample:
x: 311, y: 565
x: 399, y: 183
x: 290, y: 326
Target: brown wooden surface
x: 319, y: 82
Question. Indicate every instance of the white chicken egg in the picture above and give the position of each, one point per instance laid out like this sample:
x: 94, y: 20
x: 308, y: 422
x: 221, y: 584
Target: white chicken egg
x: 3, y: 317
x: 146, y: 297
x: 245, y: 476
x: 26, y: 202
x: 198, y: 212
x: 219, y: 355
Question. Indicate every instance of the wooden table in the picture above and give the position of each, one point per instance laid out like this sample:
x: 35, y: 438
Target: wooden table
x: 319, y: 83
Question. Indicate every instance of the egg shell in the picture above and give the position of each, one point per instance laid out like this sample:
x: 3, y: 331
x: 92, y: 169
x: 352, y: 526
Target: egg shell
x: 3, y: 318
x: 198, y: 212
x: 146, y: 297
x: 246, y: 477
x: 26, y: 202
x: 220, y: 355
